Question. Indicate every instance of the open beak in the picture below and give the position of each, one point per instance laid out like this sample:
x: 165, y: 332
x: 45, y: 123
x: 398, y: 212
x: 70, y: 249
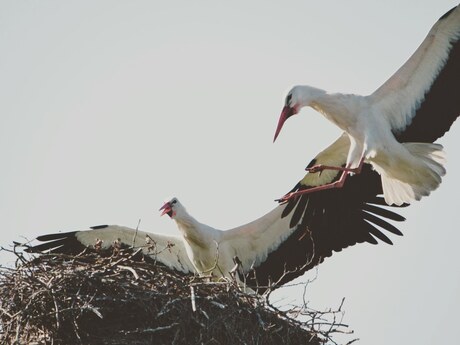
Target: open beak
x: 166, y: 209
x: 286, y: 113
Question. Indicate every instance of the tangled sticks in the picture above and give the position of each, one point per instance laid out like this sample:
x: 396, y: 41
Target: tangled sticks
x: 119, y: 299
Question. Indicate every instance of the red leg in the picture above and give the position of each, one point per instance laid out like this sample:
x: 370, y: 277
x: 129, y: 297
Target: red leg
x: 321, y: 167
x: 337, y: 184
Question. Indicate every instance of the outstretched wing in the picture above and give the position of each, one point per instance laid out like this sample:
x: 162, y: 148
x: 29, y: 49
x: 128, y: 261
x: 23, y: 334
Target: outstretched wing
x: 168, y: 250
x: 425, y: 90
x: 328, y: 220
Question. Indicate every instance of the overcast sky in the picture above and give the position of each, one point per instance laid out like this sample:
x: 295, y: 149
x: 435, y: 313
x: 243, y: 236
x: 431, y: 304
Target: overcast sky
x: 110, y: 107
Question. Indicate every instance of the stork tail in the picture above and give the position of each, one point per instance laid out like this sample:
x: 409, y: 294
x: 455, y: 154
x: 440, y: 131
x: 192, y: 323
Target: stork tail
x: 410, y: 177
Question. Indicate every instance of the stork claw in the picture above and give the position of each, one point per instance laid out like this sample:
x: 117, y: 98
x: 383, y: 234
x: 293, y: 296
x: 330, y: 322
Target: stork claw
x: 285, y: 198
x: 315, y: 168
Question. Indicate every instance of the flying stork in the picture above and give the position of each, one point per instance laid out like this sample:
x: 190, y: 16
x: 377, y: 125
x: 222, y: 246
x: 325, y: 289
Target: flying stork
x: 271, y: 250
x: 394, y: 128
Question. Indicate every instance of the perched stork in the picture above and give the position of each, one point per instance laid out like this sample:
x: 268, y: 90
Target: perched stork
x: 394, y: 128
x: 271, y: 250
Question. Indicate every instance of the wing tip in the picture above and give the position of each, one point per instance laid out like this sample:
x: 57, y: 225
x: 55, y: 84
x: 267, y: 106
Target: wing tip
x: 448, y: 13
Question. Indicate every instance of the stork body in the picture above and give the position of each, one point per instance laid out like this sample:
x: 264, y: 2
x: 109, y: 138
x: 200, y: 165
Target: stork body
x: 212, y: 251
x: 201, y: 241
x: 272, y: 250
x: 426, y: 86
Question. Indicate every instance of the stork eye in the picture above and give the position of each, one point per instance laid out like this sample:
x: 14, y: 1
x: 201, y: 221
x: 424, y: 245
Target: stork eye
x: 174, y: 201
x: 288, y: 99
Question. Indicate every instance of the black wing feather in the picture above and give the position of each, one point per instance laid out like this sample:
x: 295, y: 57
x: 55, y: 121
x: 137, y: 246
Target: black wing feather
x: 328, y: 221
x: 56, y: 236
x: 383, y: 212
x: 299, y: 210
x: 382, y: 223
x: 442, y: 102
x: 65, y: 243
x: 376, y: 233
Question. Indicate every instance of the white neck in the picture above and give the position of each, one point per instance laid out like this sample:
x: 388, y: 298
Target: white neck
x: 340, y: 109
x: 194, y: 232
x: 306, y: 95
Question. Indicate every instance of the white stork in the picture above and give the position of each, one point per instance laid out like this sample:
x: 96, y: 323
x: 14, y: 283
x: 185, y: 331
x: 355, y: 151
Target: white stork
x: 273, y: 249
x: 393, y: 128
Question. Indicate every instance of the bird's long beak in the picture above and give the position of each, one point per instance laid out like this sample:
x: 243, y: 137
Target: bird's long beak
x: 286, y: 113
x: 166, y: 208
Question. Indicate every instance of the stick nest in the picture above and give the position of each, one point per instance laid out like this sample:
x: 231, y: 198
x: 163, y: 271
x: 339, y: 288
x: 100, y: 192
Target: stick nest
x: 122, y: 299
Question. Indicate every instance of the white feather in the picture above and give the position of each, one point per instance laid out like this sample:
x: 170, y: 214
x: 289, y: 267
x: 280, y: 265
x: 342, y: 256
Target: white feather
x: 410, y: 170
x: 168, y: 250
x: 212, y: 250
x: 402, y: 93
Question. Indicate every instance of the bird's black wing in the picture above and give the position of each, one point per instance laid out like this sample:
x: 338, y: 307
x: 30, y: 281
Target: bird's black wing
x: 60, y: 242
x: 421, y: 99
x: 329, y: 220
x: 441, y: 105
x: 169, y: 250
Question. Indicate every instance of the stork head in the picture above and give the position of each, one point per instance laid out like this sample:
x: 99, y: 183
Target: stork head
x: 173, y: 208
x: 297, y: 98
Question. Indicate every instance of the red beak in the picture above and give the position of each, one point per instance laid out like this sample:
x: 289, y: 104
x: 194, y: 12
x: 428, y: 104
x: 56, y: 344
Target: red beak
x: 166, y: 208
x: 286, y: 113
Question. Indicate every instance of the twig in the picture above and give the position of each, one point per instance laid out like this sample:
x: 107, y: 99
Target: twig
x: 136, y: 276
x: 152, y: 330
x: 135, y: 233
x: 60, y: 293
x: 192, y: 297
x: 56, y: 309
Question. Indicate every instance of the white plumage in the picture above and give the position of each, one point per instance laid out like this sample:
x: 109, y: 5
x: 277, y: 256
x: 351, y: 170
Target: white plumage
x: 409, y: 170
x: 168, y: 250
x: 212, y: 251
x: 201, y: 248
x: 271, y: 250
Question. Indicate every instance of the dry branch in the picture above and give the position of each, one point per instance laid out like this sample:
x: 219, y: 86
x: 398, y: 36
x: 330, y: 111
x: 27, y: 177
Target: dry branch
x: 92, y: 299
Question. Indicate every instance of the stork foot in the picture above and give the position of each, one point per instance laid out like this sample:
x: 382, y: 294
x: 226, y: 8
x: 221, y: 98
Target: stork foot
x: 337, y: 184
x: 287, y: 197
x: 315, y: 168
x: 321, y: 167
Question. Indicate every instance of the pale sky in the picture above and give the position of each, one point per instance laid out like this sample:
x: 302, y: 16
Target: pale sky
x: 110, y: 107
